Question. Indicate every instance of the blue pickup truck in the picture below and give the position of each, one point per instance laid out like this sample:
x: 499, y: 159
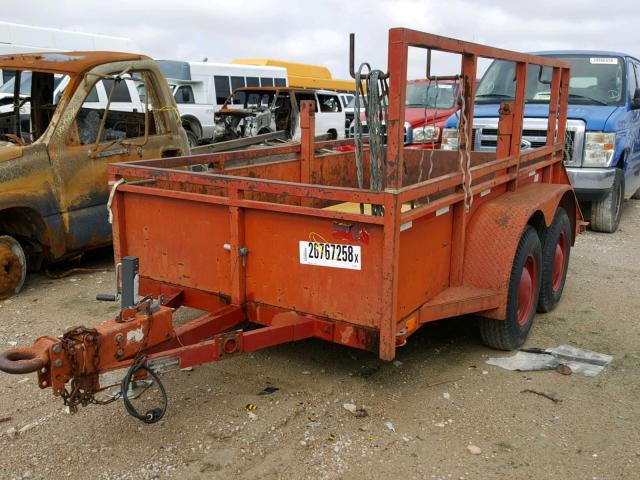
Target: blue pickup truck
x: 602, y: 143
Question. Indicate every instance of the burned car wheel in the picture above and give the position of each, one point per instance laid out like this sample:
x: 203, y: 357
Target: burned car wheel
x: 13, y: 267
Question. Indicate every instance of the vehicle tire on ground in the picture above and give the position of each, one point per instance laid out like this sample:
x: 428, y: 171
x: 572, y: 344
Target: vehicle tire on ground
x: 636, y: 196
x: 556, y: 247
x: 193, y: 139
x: 13, y: 267
x: 522, y: 296
x: 605, y: 213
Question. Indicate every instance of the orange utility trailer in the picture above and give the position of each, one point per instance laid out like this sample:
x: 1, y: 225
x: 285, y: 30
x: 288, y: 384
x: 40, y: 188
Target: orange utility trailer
x: 283, y: 239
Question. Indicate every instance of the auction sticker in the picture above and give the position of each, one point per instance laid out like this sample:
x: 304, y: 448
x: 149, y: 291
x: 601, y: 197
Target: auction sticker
x: 603, y: 60
x: 333, y: 255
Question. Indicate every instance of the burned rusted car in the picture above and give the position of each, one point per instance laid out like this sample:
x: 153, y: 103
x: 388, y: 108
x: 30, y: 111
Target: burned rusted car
x: 57, y: 136
x: 249, y: 112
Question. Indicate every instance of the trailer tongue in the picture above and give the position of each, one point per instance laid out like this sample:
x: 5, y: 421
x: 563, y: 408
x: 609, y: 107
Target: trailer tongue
x: 281, y: 244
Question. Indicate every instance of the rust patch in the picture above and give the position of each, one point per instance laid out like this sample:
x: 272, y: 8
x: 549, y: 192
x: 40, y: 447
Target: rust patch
x: 502, y: 220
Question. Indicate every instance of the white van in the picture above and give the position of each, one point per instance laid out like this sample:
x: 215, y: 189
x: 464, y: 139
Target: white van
x: 18, y: 38
x: 201, y: 88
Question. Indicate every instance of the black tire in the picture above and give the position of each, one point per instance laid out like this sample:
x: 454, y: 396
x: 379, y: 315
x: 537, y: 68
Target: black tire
x: 605, y: 213
x: 193, y: 139
x: 636, y: 196
x: 512, y: 332
x: 556, y: 248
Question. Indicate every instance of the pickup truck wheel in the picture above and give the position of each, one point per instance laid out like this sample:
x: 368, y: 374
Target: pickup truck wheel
x: 522, y: 297
x: 13, y: 267
x: 605, y: 213
x: 556, y: 246
x: 193, y: 139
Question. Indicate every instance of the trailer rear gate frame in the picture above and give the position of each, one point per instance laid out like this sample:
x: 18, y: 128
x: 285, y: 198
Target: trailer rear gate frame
x: 227, y: 242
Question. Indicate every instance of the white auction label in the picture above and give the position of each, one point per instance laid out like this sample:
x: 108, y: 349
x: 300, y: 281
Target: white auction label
x: 334, y: 255
x: 603, y: 60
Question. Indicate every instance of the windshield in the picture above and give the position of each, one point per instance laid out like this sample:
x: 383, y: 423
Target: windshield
x: 594, y: 81
x: 251, y: 99
x: 352, y: 102
x: 430, y: 95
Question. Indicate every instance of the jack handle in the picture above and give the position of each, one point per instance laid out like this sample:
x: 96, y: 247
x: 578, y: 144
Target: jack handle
x: 110, y: 297
x: 27, y: 360
x: 352, y: 69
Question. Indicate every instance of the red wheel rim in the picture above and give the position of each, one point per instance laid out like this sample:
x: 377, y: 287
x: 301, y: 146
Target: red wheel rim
x: 559, y: 261
x: 527, y: 289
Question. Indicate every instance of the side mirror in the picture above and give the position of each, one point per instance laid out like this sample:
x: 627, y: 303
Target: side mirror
x: 635, y: 101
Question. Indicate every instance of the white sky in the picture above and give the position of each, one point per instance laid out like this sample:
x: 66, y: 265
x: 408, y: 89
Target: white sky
x: 317, y: 31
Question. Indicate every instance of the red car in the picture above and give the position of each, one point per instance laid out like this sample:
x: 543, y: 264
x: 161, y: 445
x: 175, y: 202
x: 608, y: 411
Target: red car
x: 428, y: 106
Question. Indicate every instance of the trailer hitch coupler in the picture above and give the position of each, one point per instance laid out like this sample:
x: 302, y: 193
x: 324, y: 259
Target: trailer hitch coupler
x: 27, y: 360
x: 21, y: 360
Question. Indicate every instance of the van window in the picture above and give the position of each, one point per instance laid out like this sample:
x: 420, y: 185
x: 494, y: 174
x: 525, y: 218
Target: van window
x: 184, y: 94
x: 253, y: 82
x: 300, y: 96
x: 280, y: 82
x: 346, y: 99
x: 121, y: 92
x: 633, y: 79
x: 222, y: 88
x: 266, y: 82
x: 329, y: 103
x: 237, y: 82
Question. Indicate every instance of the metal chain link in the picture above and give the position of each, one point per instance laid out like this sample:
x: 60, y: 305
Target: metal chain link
x: 376, y: 111
x: 466, y: 154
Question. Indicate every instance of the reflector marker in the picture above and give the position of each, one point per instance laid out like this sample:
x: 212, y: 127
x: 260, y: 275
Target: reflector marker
x: 442, y: 211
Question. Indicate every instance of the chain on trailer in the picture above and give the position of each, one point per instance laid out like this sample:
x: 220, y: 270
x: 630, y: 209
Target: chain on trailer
x: 376, y: 100
x: 465, y: 156
x: 83, y: 387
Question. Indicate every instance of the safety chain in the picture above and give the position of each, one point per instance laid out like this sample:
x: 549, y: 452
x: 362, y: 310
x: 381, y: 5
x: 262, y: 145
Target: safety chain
x: 376, y: 111
x: 465, y: 155
x: 82, y: 387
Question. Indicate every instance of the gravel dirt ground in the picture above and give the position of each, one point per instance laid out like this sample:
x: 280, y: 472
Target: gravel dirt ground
x: 424, y: 410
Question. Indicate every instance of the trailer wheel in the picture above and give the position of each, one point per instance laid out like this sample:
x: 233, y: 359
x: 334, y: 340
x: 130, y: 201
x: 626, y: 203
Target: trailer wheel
x: 522, y: 297
x: 13, y: 267
x: 556, y: 246
x: 606, y: 213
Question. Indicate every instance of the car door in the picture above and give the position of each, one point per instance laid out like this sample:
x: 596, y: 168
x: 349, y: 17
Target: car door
x: 298, y: 97
x: 632, y: 177
x: 80, y: 158
x: 330, y: 116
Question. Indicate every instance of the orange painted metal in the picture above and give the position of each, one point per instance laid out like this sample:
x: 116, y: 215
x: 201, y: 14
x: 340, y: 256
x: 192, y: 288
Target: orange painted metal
x: 227, y: 240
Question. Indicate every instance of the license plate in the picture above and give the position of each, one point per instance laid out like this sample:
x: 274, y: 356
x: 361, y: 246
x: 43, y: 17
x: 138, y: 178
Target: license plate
x: 335, y: 255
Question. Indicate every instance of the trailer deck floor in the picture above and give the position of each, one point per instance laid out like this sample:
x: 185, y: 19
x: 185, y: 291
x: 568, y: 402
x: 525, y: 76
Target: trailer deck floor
x: 208, y: 433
